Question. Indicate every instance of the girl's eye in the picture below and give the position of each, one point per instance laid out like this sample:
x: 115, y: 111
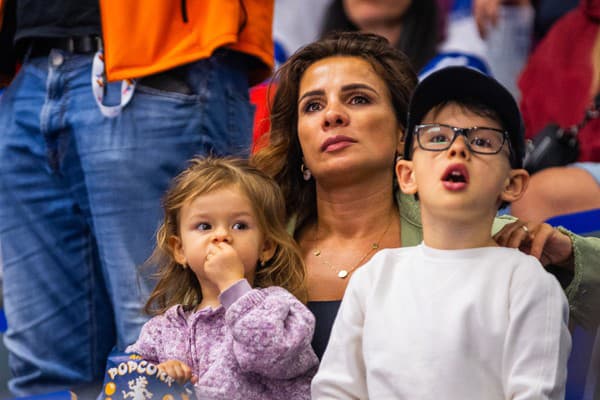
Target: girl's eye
x: 312, y: 106
x: 203, y: 226
x: 240, y: 226
x: 359, y: 99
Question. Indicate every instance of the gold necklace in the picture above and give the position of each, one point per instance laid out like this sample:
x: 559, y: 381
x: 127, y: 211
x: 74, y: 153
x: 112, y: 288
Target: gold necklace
x: 344, y: 273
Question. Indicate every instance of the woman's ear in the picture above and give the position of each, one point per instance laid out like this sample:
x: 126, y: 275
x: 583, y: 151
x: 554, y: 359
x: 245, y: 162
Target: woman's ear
x: 400, y: 146
x: 177, y: 250
x: 406, y: 176
x: 515, y: 185
x: 268, y: 250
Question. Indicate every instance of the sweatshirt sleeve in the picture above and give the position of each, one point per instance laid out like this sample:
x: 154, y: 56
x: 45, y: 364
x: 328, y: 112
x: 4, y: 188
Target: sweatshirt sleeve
x: 538, y: 342
x: 342, y: 373
x: 272, y: 332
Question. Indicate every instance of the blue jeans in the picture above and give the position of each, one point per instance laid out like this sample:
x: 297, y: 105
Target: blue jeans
x: 80, y: 203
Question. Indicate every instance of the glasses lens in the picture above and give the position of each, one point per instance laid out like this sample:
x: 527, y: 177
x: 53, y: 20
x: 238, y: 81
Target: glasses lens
x: 435, y: 137
x: 484, y: 140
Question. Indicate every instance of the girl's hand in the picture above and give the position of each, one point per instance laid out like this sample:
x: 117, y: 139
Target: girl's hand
x: 223, y: 265
x: 179, y: 371
x: 540, y: 240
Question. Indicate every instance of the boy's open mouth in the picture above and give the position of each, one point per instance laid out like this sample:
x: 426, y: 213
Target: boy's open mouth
x: 456, y: 174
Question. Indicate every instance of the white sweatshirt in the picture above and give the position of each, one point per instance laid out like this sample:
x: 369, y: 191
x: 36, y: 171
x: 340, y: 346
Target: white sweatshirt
x: 421, y: 323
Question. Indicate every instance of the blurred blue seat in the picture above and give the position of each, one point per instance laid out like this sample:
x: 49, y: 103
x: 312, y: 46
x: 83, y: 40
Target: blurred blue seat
x: 62, y: 395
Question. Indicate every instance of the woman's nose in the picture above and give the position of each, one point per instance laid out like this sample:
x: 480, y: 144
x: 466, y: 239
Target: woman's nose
x: 335, y: 117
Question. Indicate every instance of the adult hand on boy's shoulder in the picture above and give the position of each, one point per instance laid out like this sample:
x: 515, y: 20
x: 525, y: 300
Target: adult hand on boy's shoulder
x: 539, y: 239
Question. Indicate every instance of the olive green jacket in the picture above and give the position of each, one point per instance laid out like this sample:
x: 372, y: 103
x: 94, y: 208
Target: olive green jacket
x: 583, y: 290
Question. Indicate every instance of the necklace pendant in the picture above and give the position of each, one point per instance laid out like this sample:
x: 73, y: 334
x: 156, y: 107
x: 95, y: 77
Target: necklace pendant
x: 317, y: 252
x: 375, y: 246
x: 342, y: 274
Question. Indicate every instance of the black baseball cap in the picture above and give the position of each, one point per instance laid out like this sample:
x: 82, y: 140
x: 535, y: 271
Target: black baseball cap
x: 467, y: 84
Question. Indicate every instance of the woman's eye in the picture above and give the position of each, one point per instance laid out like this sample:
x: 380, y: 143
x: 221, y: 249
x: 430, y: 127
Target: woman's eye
x: 359, y: 100
x: 312, y: 106
x: 203, y: 226
x: 240, y: 226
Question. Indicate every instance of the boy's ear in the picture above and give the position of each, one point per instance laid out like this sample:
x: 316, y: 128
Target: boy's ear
x: 406, y: 176
x: 177, y: 250
x: 515, y: 185
x: 268, y: 250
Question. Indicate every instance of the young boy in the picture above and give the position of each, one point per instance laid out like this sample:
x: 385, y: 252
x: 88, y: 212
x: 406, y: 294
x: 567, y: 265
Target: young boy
x: 457, y: 317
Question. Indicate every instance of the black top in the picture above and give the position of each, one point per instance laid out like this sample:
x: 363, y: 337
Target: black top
x: 325, y: 313
x: 57, y: 18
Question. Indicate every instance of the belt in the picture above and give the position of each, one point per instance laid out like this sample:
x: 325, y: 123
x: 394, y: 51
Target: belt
x: 75, y: 44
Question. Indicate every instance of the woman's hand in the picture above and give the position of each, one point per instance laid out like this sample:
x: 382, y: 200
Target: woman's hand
x: 179, y: 371
x: 540, y: 240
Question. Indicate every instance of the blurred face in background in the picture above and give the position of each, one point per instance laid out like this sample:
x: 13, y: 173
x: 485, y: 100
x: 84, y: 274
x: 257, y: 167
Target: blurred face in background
x: 369, y: 15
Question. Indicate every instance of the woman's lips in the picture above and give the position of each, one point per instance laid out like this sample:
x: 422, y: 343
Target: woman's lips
x: 336, y: 143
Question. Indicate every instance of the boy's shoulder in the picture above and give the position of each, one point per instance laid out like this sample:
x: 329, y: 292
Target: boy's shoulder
x: 388, y: 259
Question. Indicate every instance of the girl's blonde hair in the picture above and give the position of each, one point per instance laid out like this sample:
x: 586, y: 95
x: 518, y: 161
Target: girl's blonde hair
x: 178, y: 285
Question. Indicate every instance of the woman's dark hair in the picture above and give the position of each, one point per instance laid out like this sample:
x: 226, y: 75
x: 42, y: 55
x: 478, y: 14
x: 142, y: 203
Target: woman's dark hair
x: 420, y: 29
x: 281, y: 158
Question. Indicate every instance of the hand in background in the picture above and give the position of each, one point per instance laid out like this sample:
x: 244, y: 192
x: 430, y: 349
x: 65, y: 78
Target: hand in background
x: 540, y: 240
x: 179, y: 371
x: 487, y: 12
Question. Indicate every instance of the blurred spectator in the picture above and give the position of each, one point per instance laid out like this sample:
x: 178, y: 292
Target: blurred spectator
x: 547, y: 12
x: 410, y: 25
x: 497, y: 31
x: 559, y: 83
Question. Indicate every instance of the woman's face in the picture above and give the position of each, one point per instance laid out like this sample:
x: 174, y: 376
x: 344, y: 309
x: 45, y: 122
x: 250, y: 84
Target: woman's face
x: 346, y: 121
x: 367, y: 14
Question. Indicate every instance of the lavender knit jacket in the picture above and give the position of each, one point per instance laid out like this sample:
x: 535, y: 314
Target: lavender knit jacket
x: 255, y: 346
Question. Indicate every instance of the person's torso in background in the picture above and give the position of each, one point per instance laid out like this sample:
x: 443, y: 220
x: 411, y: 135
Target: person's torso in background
x: 57, y: 18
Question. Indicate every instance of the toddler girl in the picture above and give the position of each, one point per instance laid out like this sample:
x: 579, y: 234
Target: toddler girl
x: 227, y: 314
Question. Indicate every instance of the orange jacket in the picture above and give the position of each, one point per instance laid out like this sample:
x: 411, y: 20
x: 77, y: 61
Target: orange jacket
x: 142, y: 37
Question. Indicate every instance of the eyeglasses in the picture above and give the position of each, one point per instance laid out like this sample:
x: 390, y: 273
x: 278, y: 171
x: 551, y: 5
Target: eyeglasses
x: 439, y: 137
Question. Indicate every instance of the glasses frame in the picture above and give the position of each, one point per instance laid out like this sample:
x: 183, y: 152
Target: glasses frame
x: 463, y: 132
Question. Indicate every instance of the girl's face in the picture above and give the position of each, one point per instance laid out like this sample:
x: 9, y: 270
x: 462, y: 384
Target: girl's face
x: 221, y: 216
x: 346, y: 121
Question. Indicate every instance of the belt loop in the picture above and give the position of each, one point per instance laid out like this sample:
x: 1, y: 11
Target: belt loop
x: 70, y: 45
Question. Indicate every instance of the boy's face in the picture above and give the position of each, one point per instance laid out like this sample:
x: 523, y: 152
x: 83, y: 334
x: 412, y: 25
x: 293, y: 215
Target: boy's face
x: 458, y: 179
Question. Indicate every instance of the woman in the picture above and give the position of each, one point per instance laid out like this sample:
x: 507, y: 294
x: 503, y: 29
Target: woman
x: 336, y: 127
